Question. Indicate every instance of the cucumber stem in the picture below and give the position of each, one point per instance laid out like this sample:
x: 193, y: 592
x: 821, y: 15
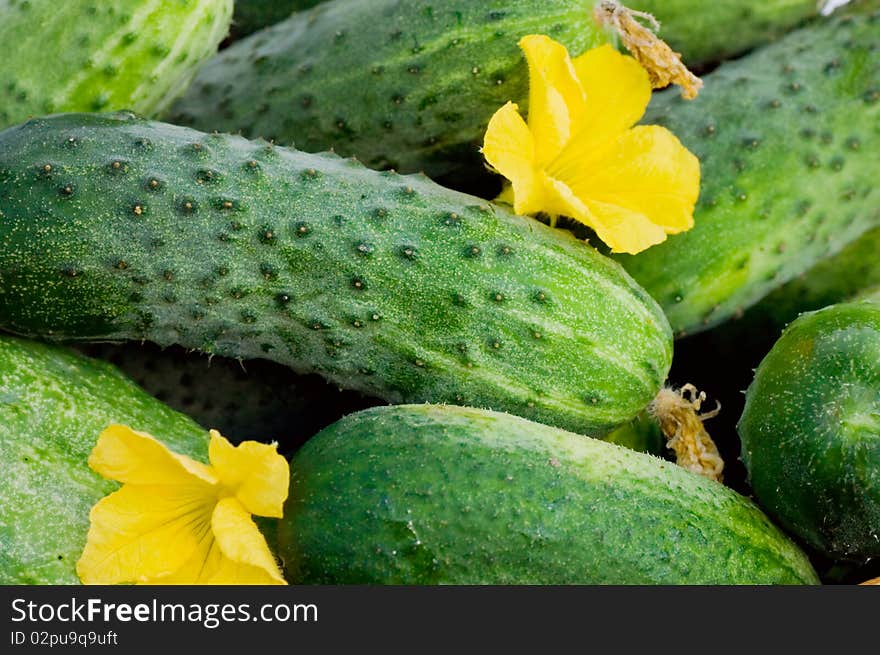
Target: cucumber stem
x: 677, y: 413
x: 664, y: 65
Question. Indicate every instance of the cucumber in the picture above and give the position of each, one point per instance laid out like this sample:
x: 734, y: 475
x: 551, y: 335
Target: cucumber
x: 53, y: 405
x: 787, y: 140
x: 81, y: 55
x: 450, y: 495
x: 832, y: 280
x: 252, y: 15
x: 700, y: 31
x: 257, y: 400
x: 641, y: 434
x: 384, y: 284
x: 811, y: 430
x: 709, y: 32
x: 414, y: 92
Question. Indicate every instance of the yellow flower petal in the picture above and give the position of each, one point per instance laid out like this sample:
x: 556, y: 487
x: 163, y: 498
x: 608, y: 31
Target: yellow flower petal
x: 579, y: 156
x: 248, y: 558
x: 254, y: 472
x: 124, y: 455
x: 510, y: 149
x: 556, y: 98
x: 618, y: 92
x: 646, y: 171
x: 624, y: 230
x: 142, y: 532
x: 252, y: 562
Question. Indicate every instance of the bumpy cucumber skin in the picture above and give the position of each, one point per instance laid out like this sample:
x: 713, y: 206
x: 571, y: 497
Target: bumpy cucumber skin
x: 787, y: 139
x: 414, y: 91
x: 700, y: 31
x: 53, y: 405
x: 811, y: 430
x: 252, y: 15
x: 385, y: 284
x: 83, y: 55
x: 706, y: 32
x: 832, y: 280
x: 450, y: 495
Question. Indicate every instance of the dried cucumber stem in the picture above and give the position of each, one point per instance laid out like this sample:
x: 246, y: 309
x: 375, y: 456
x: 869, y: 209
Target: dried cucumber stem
x: 676, y: 411
x: 664, y: 66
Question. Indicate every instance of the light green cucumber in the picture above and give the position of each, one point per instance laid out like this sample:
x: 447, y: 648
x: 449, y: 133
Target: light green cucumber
x: 811, y: 430
x: 787, y: 139
x: 53, y: 405
x: 82, y: 55
x: 256, y: 400
x: 449, y: 495
x: 413, y: 92
x: 117, y: 228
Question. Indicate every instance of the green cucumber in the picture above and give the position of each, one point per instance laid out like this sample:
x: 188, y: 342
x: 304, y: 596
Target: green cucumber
x: 787, y: 138
x: 811, y: 430
x: 642, y: 434
x: 871, y: 294
x: 832, y: 280
x: 53, y: 405
x: 257, y: 400
x: 450, y: 495
x: 82, y: 55
x: 414, y: 92
x: 708, y: 32
x: 701, y: 32
x: 253, y: 15
x: 385, y: 284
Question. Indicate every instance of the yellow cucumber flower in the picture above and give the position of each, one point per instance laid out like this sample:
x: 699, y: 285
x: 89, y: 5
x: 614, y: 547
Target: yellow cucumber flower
x: 178, y: 521
x: 580, y: 156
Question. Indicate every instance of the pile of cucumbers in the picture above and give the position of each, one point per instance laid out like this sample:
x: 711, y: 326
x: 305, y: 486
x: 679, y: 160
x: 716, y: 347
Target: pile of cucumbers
x: 463, y: 392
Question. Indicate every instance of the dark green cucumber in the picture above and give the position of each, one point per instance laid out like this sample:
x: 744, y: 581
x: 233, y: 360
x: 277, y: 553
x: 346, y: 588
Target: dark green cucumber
x: 787, y: 138
x: 449, y: 495
x: 385, y: 284
x: 53, y: 405
x: 257, y: 400
x: 414, y: 92
x: 82, y: 55
x: 811, y: 430
x: 253, y: 15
